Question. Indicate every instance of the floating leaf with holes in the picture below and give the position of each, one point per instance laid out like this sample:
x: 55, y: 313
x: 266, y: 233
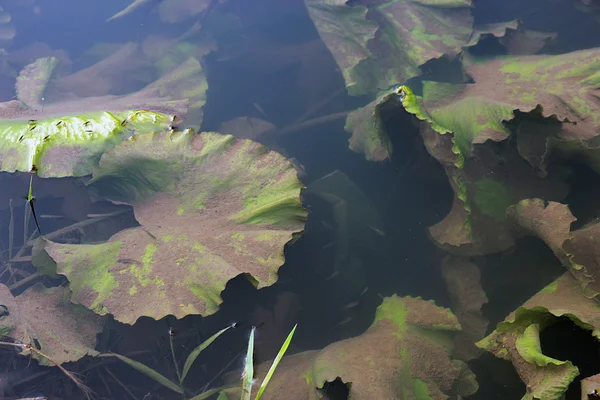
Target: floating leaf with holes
x: 64, y: 331
x: 517, y: 338
x: 542, y: 89
x: 577, y: 249
x: 404, y: 354
x: 210, y: 208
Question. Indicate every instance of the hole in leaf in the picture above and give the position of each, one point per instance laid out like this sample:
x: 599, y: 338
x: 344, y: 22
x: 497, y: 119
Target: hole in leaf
x: 336, y: 390
x: 564, y: 340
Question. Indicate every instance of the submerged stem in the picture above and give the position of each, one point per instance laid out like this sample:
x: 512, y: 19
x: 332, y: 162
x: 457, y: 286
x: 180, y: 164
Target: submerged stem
x: 174, y: 358
x: 87, y: 392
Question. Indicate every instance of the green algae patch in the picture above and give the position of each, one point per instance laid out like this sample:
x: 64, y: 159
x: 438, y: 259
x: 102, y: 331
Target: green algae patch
x: 182, y: 256
x: 66, y: 332
x: 404, y: 354
x: 378, y: 44
x: 493, y: 198
x: 70, y: 145
x: 88, y: 269
x: 516, y: 339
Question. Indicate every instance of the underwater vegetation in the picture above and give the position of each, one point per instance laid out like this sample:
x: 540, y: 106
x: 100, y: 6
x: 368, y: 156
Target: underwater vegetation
x: 392, y: 199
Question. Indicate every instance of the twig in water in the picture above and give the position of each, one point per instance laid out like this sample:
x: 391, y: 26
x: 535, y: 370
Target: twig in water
x: 24, y: 281
x: 25, y: 346
x: 306, y: 124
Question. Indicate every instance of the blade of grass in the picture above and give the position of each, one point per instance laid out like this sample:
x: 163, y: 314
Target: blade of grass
x: 174, y: 358
x: 196, y: 352
x: 211, y: 392
x: 269, y: 375
x: 248, y: 375
x: 150, y: 373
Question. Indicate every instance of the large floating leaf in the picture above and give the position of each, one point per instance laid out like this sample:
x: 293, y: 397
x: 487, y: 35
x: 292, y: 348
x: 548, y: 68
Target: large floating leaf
x: 404, y: 354
x: 483, y: 177
x: 578, y: 250
x: 379, y: 44
x: 517, y: 338
x: 69, y: 145
x: 210, y: 206
x: 33, y: 79
x: 550, y: 88
x: 65, y: 331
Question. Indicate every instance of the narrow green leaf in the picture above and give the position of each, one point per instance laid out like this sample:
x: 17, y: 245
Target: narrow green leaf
x: 248, y: 375
x: 223, y: 396
x: 196, y: 352
x: 150, y: 373
x: 282, y: 351
x: 207, y: 394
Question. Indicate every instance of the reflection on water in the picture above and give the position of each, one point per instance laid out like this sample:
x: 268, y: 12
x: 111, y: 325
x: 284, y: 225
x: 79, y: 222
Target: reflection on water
x: 395, y: 231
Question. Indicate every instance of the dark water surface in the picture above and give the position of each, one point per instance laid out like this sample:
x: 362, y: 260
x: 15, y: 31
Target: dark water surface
x: 274, y: 66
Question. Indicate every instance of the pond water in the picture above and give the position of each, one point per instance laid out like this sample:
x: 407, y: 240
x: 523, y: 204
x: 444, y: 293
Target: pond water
x: 410, y: 187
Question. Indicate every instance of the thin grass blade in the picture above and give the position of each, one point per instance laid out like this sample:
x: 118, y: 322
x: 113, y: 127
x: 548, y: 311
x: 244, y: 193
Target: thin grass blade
x: 269, y: 375
x: 196, y: 352
x: 211, y: 392
x: 150, y: 373
x: 248, y: 375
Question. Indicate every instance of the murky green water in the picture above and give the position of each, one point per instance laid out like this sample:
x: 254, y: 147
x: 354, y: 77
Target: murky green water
x: 413, y: 185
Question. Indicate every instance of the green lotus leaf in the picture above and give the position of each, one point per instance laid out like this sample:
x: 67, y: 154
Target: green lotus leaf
x: 378, y: 44
x: 69, y: 145
x: 517, y: 338
x: 210, y: 207
x: 547, y: 90
x: 65, y: 332
x: 33, y: 79
x: 405, y: 354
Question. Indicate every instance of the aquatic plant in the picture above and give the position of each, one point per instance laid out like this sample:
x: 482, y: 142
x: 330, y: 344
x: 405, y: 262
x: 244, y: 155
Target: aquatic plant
x: 405, y: 353
x: 244, y: 197
x: 247, y: 377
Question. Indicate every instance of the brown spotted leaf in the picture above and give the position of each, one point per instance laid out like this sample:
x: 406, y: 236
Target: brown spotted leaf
x: 64, y: 331
x: 211, y: 207
x: 378, y: 44
x: 405, y: 354
x: 516, y: 339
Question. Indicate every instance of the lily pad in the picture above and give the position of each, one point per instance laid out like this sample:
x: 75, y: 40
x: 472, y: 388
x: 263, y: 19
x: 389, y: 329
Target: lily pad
x: 517, y: 338
x: 463, y: 281
x: 65, y: 332
x: 577, y: 250
x: 404, y: 354
x: 211, y: 207
x: 513, y: 36
x: 69, y: 145
x: 33, y: 79
x: 377, y: 44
